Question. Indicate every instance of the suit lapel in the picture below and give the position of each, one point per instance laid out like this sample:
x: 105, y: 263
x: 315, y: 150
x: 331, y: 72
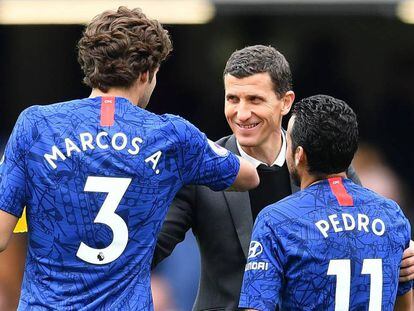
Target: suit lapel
x: 239, y: 206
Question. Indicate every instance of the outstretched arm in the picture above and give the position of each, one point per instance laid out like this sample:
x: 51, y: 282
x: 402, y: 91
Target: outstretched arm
x: 246, y: 179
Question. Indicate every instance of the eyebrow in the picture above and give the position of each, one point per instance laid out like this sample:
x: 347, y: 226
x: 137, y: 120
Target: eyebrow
x: 255, y: 96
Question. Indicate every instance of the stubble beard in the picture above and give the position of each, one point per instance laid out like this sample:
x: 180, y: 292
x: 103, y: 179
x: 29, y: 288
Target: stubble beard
x: 294, y: 176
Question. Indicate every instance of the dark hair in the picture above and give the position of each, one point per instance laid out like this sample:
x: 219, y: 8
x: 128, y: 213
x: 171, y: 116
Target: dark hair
x: 116, y: 47
x: 327, y: 129
x: 261, y: 59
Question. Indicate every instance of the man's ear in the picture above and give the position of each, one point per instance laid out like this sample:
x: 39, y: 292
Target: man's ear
x: 287, y: 100
x: 300, y: 157
x: 144, y: 77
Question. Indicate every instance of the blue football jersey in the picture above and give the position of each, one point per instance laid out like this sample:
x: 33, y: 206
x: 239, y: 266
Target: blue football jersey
x: 97, y: 176
x: 333, y: 246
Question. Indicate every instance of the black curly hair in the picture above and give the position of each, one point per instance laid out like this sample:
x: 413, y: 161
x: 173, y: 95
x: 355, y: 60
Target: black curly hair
x: 327, y: 129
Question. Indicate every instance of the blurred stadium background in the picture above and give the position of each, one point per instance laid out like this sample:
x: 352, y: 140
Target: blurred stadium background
x: 361, y: 51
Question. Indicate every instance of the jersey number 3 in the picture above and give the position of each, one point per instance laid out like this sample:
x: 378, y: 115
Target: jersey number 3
x: 116, y: 188
x: 342, y: 269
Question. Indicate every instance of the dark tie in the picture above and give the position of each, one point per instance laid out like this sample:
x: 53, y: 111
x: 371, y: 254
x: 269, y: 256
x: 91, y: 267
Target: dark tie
x: 264, y: 168
x: 274, y: 185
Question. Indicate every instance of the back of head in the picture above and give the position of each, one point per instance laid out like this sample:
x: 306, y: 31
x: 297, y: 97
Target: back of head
x: 117, y: 46
x: 327, y: 129
x: 261, y: 59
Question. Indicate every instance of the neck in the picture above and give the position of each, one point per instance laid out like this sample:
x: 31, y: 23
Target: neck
x: 307, y: 180
x: 268, y: 151
x: 129, y: 94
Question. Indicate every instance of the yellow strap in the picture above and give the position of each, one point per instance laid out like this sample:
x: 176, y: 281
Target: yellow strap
x: 21, y: 225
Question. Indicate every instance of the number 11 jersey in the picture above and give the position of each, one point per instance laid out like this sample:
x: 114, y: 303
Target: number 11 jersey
x: 97, y: 176
x: 333, y: 246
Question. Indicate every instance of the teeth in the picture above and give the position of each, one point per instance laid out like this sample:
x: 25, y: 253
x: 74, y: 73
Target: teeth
x: 248, y: 126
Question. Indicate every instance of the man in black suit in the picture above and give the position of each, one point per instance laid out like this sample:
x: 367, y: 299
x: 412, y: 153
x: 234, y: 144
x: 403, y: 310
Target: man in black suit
x: 258, y: 93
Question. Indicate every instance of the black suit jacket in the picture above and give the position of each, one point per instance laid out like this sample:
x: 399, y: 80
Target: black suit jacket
x: 222, y: 224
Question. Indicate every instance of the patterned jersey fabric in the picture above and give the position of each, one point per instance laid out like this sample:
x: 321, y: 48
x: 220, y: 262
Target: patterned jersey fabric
x: 333, y: 246
x: 97, y: 176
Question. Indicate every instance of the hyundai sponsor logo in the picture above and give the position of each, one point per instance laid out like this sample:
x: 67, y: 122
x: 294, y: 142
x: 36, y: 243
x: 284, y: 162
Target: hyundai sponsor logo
x: 255, y: 249
x: 257, y: 265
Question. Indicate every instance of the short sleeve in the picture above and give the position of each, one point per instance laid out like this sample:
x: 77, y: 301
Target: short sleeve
x: 204, y: 162
x: 12, y: 168
x: 263, y: 275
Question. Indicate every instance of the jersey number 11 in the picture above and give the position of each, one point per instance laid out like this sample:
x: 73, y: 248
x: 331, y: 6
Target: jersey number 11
x: 342, y: 269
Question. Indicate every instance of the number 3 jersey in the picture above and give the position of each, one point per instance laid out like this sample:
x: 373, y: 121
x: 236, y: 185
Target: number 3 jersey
x: 333, y: 246
x: 97, y: 176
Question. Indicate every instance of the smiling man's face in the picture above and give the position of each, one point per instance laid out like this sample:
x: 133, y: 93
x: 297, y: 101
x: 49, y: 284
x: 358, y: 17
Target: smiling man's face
x: 253, y: 109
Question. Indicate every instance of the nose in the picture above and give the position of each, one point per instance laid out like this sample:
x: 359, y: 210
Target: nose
x: 243, y: 112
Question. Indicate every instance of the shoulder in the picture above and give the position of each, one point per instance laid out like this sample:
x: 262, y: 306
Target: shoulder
x: 30, y: 112
x: 284, y: 209
x: 367, y: 196
x: 294, y: 209
x: 42, y: 111
x: 388, y: 210
x: 176, y: 121
x: 388, y: 206
x: 377, y: 205
x: 168, y: 117
x: 28, y: 118
x: 183, y: 129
